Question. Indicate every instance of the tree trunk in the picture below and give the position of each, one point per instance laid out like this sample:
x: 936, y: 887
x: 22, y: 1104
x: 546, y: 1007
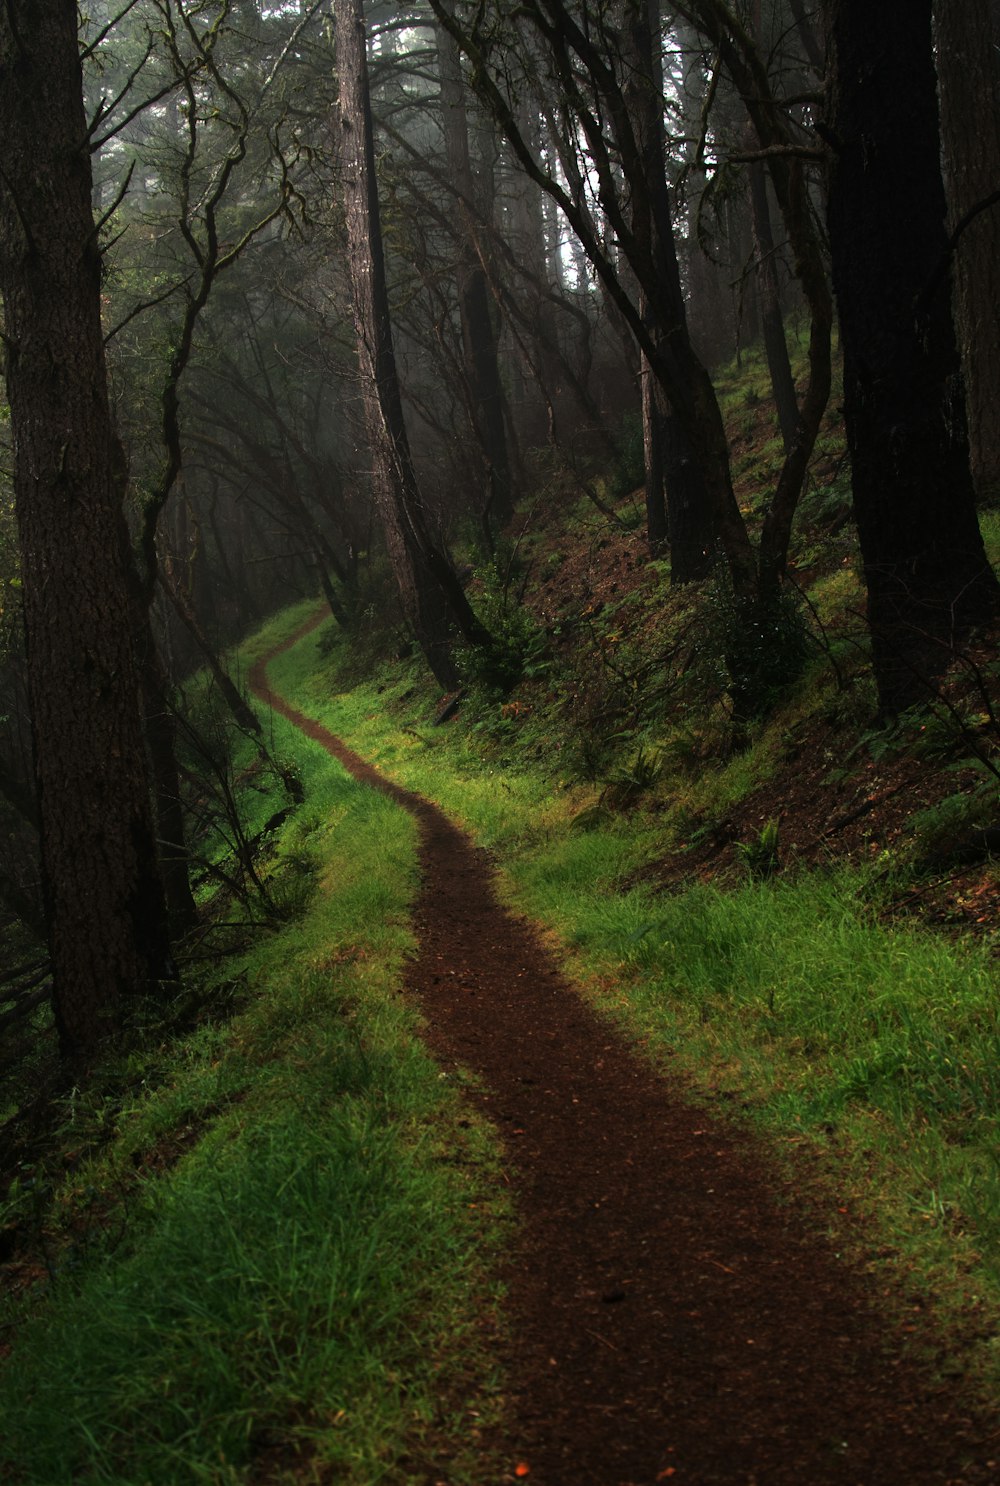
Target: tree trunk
x: 161, y: 742
x: 667, y: 452
x: 747, y: 67
x: 105, y: 907
x: 430, y: 592
x: 243, y: 714
x: 927, y: 574
x: 657, y: 526
x: 771, y: 319
x: 693, y: 550
x: 968, y: 69
x: 526, y: 232
x: 474, y: 299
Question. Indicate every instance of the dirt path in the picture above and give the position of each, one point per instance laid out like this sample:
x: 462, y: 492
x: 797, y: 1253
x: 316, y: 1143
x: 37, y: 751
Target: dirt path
x: 673, y: 1321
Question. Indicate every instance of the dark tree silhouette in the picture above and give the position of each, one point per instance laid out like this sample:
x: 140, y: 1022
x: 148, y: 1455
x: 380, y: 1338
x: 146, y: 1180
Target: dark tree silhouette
x: 968, y: 69
x: 432, y: 597
x: 105, y: 908
x: 928, y: 578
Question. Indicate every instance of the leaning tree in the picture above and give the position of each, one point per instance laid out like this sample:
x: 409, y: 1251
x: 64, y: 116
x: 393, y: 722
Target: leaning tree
x: 431, y: 594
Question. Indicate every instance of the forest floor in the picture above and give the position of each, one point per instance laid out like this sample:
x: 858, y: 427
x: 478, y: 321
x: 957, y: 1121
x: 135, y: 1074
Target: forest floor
x: 676, y: 1312
x: 835, y: 794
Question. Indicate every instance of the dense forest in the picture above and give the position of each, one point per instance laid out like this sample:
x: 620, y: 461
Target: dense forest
x: 589, y: 410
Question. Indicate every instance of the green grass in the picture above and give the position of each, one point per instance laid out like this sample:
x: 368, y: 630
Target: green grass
x: 296, y: 1271
x: 303, y: 1268
x: 877, y: 1046
x: 989, y: 524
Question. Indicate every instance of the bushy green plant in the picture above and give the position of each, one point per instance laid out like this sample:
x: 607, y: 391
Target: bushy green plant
x: 760, y: 856
x: 519, y: 646
x: 756, y: 648
x: 632, y: 779
x: 944, y: 827
x: 629, y: 470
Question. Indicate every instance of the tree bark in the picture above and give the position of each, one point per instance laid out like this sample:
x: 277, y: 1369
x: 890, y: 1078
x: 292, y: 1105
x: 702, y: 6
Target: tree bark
x: 928, y: 578
x: 105, y: 907
x: 771, y: 319
x: 161, y: 743
x: 968, y: 69
x: 430, y: 591
x: 474, y: 299
x: 653, y: 458
x: 670, y: 467
x: 748, y: 70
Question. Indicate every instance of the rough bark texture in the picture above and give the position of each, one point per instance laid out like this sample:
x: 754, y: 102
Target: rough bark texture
x: 968, y: 68
x: 105, y: 908
x: 927, y: 574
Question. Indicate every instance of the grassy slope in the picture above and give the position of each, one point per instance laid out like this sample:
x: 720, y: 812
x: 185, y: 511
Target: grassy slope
x: 874, y: 1046
x: 284, y: 1252
x: 274, y: 1259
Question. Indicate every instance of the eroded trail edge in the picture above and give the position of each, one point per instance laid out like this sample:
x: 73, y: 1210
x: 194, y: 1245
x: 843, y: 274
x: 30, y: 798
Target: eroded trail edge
x: 672, y: 1319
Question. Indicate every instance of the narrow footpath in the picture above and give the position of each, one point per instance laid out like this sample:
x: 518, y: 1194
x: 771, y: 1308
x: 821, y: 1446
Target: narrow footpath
x: 673, y: 1319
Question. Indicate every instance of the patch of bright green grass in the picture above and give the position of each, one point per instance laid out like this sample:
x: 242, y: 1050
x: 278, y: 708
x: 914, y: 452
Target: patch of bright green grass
x: 390, y: 722
x: 302, y: 1269
x: 878, y: 1045
x: 989, y: 525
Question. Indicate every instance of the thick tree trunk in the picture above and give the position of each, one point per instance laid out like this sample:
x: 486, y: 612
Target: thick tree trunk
x: 693, y: 549
x: 105, y: 907
x: 430, y: 592
x: 927, y: 574
x: 968, y: 69
x: 678, y: 515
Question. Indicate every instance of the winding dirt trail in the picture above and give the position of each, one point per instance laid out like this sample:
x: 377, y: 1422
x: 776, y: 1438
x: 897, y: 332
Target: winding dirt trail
x: 673, y: 1320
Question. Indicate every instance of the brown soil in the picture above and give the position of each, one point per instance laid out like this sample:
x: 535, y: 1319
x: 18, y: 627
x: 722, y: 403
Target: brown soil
x: 832, y: 800
x: 675, y: 1315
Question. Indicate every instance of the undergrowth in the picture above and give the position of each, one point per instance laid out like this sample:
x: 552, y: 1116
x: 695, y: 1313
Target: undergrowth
x: 875, y: 1044
x: 268, y: 1244
x: 278, y: 1258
